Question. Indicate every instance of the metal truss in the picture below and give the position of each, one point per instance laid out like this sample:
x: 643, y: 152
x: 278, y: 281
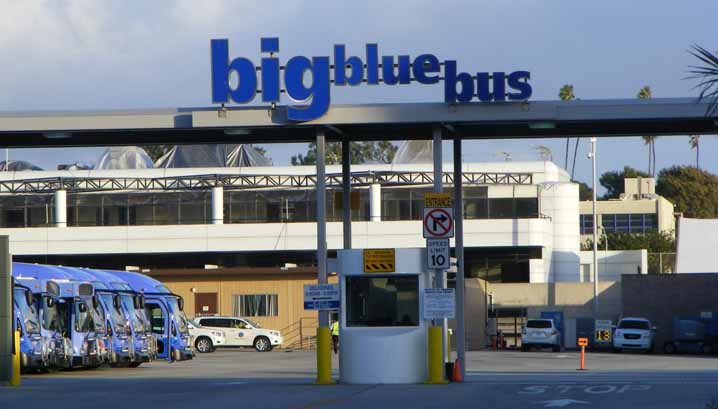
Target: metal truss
x: 200, y: 182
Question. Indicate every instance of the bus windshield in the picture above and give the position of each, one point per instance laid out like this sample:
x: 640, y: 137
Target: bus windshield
x: 116, y: 316
x: 83, y: 320
x: 28, y: 312
x: 136, y: 317
x: 51, y: 319
x: 98, y: 316
x: 179, y: 315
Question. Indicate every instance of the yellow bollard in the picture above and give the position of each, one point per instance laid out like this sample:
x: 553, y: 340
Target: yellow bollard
x: 436, y: 357
x: 324, y: 357
x: 15, y: 376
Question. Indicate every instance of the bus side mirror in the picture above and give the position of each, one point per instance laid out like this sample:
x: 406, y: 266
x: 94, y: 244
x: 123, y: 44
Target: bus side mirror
x: 49, y: 302
x: 116, y: 302
x: 142, y: 301
x: 29, y: 297
x: 180, y: 302
x: 136, y: 301
x: 83, y: 307
x: 95, y: 301
x: 19, y: 327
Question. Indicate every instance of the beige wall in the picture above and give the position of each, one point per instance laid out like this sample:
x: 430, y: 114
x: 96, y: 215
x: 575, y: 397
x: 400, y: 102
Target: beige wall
x: 289, y: 289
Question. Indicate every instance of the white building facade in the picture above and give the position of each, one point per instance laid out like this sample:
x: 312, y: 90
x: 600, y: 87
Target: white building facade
x: 521, y: 218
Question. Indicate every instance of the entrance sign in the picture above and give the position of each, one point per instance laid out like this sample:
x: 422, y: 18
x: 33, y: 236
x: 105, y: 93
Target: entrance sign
x: 348, y: 70
x: 321, y: 296
x: 439, y: 303
x: 438, y: 223
x: 437, y: 254
x: 438, y: 200
x: 379, y: 261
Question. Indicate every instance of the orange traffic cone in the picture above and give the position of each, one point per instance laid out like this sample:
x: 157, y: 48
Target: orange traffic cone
x: 457, y: 372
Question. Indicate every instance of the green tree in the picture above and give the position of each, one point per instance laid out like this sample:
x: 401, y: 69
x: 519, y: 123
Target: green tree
x: 566, y: 94
x: 649, y: 140
x: 707, y: 74
x: 584, y: 191
x: 613, y: 181
x: 156, y: 151
x: 692, y: 191
x: 654, y: 242
x: 361, y: 152
x: 695, y: 141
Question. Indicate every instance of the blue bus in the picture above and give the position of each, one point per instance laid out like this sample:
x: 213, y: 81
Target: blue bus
x: 46, y: 298
x: 78, y: 314
x: 34, y: 348
x: 165, y: 309
x: 131, y: 306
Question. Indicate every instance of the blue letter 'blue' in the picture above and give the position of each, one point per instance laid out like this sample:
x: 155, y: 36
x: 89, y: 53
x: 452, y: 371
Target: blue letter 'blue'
x: 318, y: 92
x: 519, y: 80
x: 423, y: 64
x: 270, y: 70
x: 221, y: 68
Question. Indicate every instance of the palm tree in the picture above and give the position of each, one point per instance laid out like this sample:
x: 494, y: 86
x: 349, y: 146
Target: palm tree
x: 695, y: 140
x: 566, y: 94
x: 708, y: 76
x: 650, y: 141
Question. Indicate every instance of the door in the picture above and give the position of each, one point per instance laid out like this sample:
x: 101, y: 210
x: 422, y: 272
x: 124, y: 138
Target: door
x: 242, y: 334
x: 159, y: 321
x: 205, y: 304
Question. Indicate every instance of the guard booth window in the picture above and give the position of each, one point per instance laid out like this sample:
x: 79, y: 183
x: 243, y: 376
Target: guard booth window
x: 382, y: 301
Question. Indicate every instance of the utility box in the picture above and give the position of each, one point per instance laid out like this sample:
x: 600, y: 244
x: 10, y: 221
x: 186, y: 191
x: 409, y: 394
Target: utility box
x: 382, y: 333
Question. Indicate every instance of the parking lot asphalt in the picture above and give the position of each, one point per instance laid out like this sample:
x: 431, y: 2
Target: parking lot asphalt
x: 283, y: 379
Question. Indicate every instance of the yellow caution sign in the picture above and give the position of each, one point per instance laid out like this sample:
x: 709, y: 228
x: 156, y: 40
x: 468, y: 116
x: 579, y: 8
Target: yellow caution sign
x: 379, y: 261
x: 438, y: 200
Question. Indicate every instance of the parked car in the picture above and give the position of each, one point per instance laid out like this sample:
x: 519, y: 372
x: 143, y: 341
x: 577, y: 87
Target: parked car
x: 241, y: 332
x: 634, y: 333
x: 541, y: 333
x: 206, y: 339
x: 692, y: 335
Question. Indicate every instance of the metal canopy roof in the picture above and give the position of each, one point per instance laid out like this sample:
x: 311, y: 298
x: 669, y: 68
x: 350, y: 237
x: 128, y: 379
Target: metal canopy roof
x: 537, y: 119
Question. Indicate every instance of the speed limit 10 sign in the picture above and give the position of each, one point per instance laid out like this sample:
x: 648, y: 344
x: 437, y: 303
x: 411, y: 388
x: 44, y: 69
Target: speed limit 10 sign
x: 437, y: 253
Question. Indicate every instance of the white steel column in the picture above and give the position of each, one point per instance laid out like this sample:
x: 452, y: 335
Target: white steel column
x: 459, y: 246
x: 440, y: 275
x: 61, y: 208
x: 375, y: 202
x: 321, y: 221
x: 346, y: 194
x: 218, y: 205
x: 595, y: 232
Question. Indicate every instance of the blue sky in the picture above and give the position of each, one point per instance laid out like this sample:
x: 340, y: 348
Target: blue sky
x: 135, y: 54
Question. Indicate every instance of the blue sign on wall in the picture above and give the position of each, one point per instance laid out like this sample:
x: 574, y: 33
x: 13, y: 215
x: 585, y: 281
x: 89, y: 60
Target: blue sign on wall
x: 307, y: 80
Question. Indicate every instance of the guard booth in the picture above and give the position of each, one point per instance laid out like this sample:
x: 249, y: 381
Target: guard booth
x: 382, y: 334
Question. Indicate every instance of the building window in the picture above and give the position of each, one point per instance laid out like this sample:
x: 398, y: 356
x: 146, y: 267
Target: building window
x: 27, y: 210
x: 628, y: 223
x: 586, y: 224
x: 256, y: 305
x: 382, y: 301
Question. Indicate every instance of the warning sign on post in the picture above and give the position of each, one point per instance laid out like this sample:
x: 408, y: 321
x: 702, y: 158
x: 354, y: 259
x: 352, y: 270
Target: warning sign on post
x: 438, y: 223
x: 438, y: 303
x: 379, y: 261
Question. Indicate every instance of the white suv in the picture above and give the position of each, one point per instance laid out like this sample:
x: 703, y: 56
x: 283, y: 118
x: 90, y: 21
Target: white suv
x: 540, y: 333
x: 205, y: 339
x: 634, y: 333
x: 241, y: 332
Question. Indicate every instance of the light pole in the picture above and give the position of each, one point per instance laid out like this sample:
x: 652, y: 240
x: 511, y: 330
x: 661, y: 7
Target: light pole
x: 592, y: 155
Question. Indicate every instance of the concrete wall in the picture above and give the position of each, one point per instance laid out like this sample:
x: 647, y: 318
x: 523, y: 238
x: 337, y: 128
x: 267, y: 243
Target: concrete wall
x: 574, y: 299
x: 660, y: 298
x: 475, y: 313
x: 613, y: 264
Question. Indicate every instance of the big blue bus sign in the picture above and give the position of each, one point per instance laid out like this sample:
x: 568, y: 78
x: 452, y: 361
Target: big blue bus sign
x: 307, y: 80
